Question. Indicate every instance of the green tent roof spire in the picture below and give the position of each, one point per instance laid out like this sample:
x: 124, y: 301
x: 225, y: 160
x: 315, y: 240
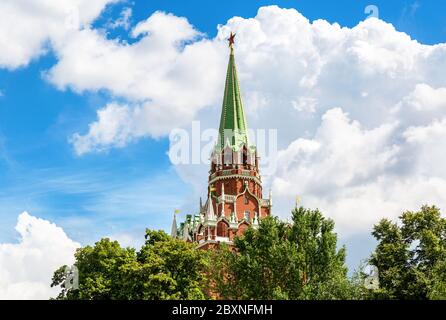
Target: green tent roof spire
x: 233, y: 127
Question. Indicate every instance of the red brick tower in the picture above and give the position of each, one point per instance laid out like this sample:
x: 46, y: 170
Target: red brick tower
x: 234, y: 200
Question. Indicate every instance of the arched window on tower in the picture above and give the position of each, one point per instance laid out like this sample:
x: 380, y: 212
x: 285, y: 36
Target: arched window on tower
x: 222, y: 229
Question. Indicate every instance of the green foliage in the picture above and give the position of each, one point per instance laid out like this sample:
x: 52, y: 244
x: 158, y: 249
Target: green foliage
x: 277, y: 260
x: 284, y: 261
x: 411, y: 256
x: 164, y: 268
x: 438, y: 286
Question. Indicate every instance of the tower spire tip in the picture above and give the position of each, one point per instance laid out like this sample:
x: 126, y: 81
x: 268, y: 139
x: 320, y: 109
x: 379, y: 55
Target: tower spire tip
x: 231, y: 40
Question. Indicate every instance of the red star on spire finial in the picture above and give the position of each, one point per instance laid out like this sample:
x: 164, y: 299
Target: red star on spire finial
x: 231, y: 39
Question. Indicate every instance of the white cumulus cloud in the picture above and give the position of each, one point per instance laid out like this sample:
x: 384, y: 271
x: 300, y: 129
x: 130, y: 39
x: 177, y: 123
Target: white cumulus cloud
x: 26, y: 267
x: 123, y: 21
x: 358, y: 176
x: 160, y: 76
x: 28, y: 27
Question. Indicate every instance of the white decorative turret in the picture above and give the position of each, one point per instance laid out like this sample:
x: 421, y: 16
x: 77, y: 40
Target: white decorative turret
x: 233, y: 218
x: 210, y: 215
x: 233, y: 223
x: 174, y: 232
x: 255, y: 220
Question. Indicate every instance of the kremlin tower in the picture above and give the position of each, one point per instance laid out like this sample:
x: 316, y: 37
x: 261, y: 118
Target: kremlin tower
x: 234, y: 199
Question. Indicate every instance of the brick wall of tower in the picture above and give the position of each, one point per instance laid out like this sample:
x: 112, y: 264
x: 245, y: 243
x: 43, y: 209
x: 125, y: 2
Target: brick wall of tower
x: 236, y: 186
x: 243, y: 181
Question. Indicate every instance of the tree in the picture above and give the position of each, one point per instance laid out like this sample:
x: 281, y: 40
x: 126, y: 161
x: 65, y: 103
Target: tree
x: 280, y: 260
x: 174, y: 262
x: 164, y: 268
x: 411, y: 256
x: 438, y: 286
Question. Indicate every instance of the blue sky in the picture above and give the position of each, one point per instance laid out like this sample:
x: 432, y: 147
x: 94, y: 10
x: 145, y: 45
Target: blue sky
x: 125, y: 190
x: 423, y: 20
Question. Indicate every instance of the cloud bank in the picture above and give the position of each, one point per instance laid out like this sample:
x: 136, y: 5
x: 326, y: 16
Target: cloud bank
x: 28, y: 29
x: 26, y: 267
